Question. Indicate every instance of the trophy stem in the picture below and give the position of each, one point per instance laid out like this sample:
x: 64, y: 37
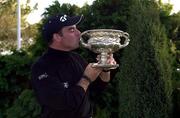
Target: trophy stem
x: 103, y: 58
x: 102, y: 63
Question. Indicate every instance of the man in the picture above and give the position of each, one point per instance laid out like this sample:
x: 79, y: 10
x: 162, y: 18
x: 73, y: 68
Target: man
x: 61, y: 79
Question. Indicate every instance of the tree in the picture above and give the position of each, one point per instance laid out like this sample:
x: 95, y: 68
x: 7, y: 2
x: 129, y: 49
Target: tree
x: 145, y: 75
x: 172, y: 25
x: 25, y: 106
x: 14, y: 78
x: 8, y: 27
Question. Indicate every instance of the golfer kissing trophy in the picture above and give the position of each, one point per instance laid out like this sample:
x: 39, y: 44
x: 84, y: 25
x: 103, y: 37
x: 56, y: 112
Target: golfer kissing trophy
x: 104, y: 42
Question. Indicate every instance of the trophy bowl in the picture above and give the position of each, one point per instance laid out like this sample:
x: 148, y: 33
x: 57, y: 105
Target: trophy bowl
x: 104, y: 42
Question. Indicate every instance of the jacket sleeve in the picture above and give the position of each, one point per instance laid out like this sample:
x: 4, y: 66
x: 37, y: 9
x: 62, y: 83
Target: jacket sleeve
x: 54, y: 94
x: 98, y: 85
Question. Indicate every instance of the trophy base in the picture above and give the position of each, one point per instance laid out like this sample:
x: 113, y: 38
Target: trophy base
x: 105, y: 66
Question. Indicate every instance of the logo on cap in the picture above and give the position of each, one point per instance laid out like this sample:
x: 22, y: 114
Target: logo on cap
x: 63, y: 18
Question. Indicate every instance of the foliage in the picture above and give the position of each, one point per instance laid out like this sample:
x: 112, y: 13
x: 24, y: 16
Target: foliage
x: 176, y: 101
x: 14, y: 77
x: 57, y: 8
x: 172, y: 25
x: 25, y: 106
x: 145, y: 74
x: 102, y: 113
x: 8, y: 27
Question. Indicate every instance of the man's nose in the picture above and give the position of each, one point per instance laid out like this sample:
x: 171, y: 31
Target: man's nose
x: 78, y: 32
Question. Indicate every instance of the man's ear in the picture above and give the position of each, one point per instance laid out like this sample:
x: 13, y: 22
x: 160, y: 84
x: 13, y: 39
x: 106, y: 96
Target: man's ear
x: 57, y: 37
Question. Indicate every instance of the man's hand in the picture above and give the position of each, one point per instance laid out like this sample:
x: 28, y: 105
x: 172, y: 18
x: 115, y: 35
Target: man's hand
x: 105, y: 76
x: 92, y: 73
x: 111, y: 60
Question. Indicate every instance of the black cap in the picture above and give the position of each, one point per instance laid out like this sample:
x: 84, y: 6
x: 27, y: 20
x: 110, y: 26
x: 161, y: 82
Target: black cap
x: 56, y: 23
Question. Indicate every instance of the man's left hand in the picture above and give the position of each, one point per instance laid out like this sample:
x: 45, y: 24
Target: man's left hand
x: 105, y: 76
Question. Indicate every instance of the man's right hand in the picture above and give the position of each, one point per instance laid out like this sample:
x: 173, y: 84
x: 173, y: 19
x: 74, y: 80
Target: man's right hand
x: 92, y: 73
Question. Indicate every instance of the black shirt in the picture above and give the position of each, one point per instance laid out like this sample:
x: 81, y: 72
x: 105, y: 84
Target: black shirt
x: 54, y: 78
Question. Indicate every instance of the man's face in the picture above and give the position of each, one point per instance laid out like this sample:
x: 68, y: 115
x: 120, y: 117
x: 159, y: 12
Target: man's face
x: 70, y: 37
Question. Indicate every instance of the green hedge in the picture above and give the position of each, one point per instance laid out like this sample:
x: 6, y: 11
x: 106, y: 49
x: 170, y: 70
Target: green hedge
x: 145, y: 87
x: 14, y: 77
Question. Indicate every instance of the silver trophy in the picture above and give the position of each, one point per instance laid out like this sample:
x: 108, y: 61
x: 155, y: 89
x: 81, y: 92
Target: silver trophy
x: 104, y: 42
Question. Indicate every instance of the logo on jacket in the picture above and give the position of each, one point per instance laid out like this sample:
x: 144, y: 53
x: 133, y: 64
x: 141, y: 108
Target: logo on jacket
x: 42, y: 76
x: 66, y: 85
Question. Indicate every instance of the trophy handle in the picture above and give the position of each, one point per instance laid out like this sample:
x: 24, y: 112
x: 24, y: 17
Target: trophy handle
x: 84, y: 44
x: 125, y: 35
x: 84, y: 40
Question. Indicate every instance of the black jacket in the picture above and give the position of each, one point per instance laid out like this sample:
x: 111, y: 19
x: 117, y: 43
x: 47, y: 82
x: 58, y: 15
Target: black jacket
x: 54, y: 78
